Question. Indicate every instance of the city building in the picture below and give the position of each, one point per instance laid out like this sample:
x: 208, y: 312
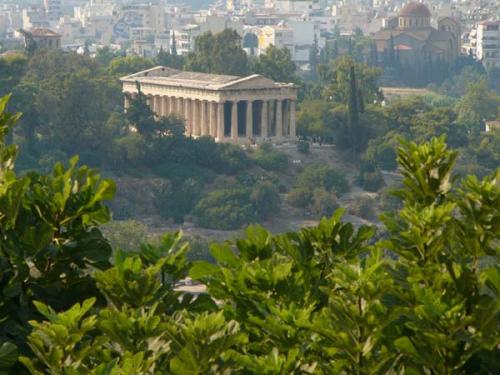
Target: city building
x: 416, y: 40
x: 52, y: 9
x: 227, y: 108
x: 484, y: 42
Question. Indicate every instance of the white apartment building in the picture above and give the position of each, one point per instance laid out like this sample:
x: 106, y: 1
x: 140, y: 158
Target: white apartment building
x: 485, y: 43
x: 279, y: 36
x: 52, y: 9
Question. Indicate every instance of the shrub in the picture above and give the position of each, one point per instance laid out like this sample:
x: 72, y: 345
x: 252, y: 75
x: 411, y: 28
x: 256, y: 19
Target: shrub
x: 225, y: 209
x: 126, y: 234
x: 265, y: 198
x: 323, y: 176
x: 176, y: 200
x: 324, y: 203
x: 381, y: 153
x: 371, y: 181
x: 364, y: 207
x: 303, y: 146
x: 300, y: 197
x: 269, y: 159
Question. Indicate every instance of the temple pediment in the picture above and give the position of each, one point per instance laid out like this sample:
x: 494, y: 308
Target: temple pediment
x: 254, y: 81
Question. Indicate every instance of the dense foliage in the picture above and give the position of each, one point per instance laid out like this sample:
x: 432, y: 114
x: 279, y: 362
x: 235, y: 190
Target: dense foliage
x: 327, y: 299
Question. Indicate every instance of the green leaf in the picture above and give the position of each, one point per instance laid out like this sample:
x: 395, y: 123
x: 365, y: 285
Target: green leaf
x: 202, y: 269
x: 8, y: 355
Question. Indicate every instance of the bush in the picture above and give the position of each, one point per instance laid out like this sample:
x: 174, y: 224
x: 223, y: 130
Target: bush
x: 265, y: 198
x: 303, y: 147
x: 126, y: 234
x: 324, y: 203
x: 300, y: 197
x: 225, y: 209
x: 381, y: 153
x: 174, y: 200
x: 269, y: 159
x: 322, y: 176
x: 364, y: 207
x: 371, y: 181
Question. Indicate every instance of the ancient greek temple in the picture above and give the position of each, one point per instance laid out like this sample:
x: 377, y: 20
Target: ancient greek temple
x: 227, y: 108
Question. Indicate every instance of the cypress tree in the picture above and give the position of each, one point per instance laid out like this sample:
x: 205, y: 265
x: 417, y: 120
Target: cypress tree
x: 361, y: 101
x: 353, y: 110
x: 335, y: 53
x: 173, y: 48
x: 313, y: 58
x: 392, y: 57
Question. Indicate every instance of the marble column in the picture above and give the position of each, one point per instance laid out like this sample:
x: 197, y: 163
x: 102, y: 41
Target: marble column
x: 186, y: 103
x: 164, y: 105
x: 126, y: 103
x: 170, y: 105
x: 249, y: 119
x: 195, y: 124
x: 220, y: 121
x: 234, y: 121
x: 203, y: 118
x: 264, y: 124
x: 162, y: 111
x: 293, y: 126
x: 179, y: 107
x: 156, y: 105
x: 286, y: 117
x: 279, y: 118
x: 212, y: 122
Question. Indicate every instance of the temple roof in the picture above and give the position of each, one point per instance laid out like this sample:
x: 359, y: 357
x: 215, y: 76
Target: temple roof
x: 423, y: 34
x: 172, y: 77
x: 43, y: 32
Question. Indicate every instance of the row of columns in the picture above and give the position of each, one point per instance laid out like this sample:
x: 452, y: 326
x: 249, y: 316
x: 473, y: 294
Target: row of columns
x: 204, y: 117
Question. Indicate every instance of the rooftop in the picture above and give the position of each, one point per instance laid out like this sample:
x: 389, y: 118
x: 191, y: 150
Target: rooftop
x: 415, y: 9
x: 162, y: 75
x: 40, y: 31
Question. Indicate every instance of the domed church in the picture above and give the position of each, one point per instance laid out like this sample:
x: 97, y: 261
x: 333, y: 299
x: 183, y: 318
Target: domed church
x: 414, y: 40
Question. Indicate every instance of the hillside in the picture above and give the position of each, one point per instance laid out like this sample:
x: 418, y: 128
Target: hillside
x: 139, y: 190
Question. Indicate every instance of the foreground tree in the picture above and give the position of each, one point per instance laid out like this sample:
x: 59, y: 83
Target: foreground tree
x: 327, y: 299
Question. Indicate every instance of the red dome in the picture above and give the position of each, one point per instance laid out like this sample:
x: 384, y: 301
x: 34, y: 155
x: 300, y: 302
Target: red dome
x: 414, y: 9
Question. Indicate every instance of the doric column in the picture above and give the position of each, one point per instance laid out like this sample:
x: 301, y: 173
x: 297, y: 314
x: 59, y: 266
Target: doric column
x: 164, y: 106
x: 249, y: 119
x: 220, y: 121
x: 126, y: 103
x: 234, y: 121
x: 170, y: 105
x: 156, y: 105
x: 279, y: 118
x: 212, y: 116
x: 264, y: 120
x: 187, y: 116
x: 286, y: 117
x: 178, y: 107
x: 196, y: 117
x: 293, y: 129
x: 203, y: 118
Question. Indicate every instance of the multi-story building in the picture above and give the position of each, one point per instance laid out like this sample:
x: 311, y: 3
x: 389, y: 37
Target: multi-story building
x: 485, y: 43
x: 279, y: 36
x: 52, y: 9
